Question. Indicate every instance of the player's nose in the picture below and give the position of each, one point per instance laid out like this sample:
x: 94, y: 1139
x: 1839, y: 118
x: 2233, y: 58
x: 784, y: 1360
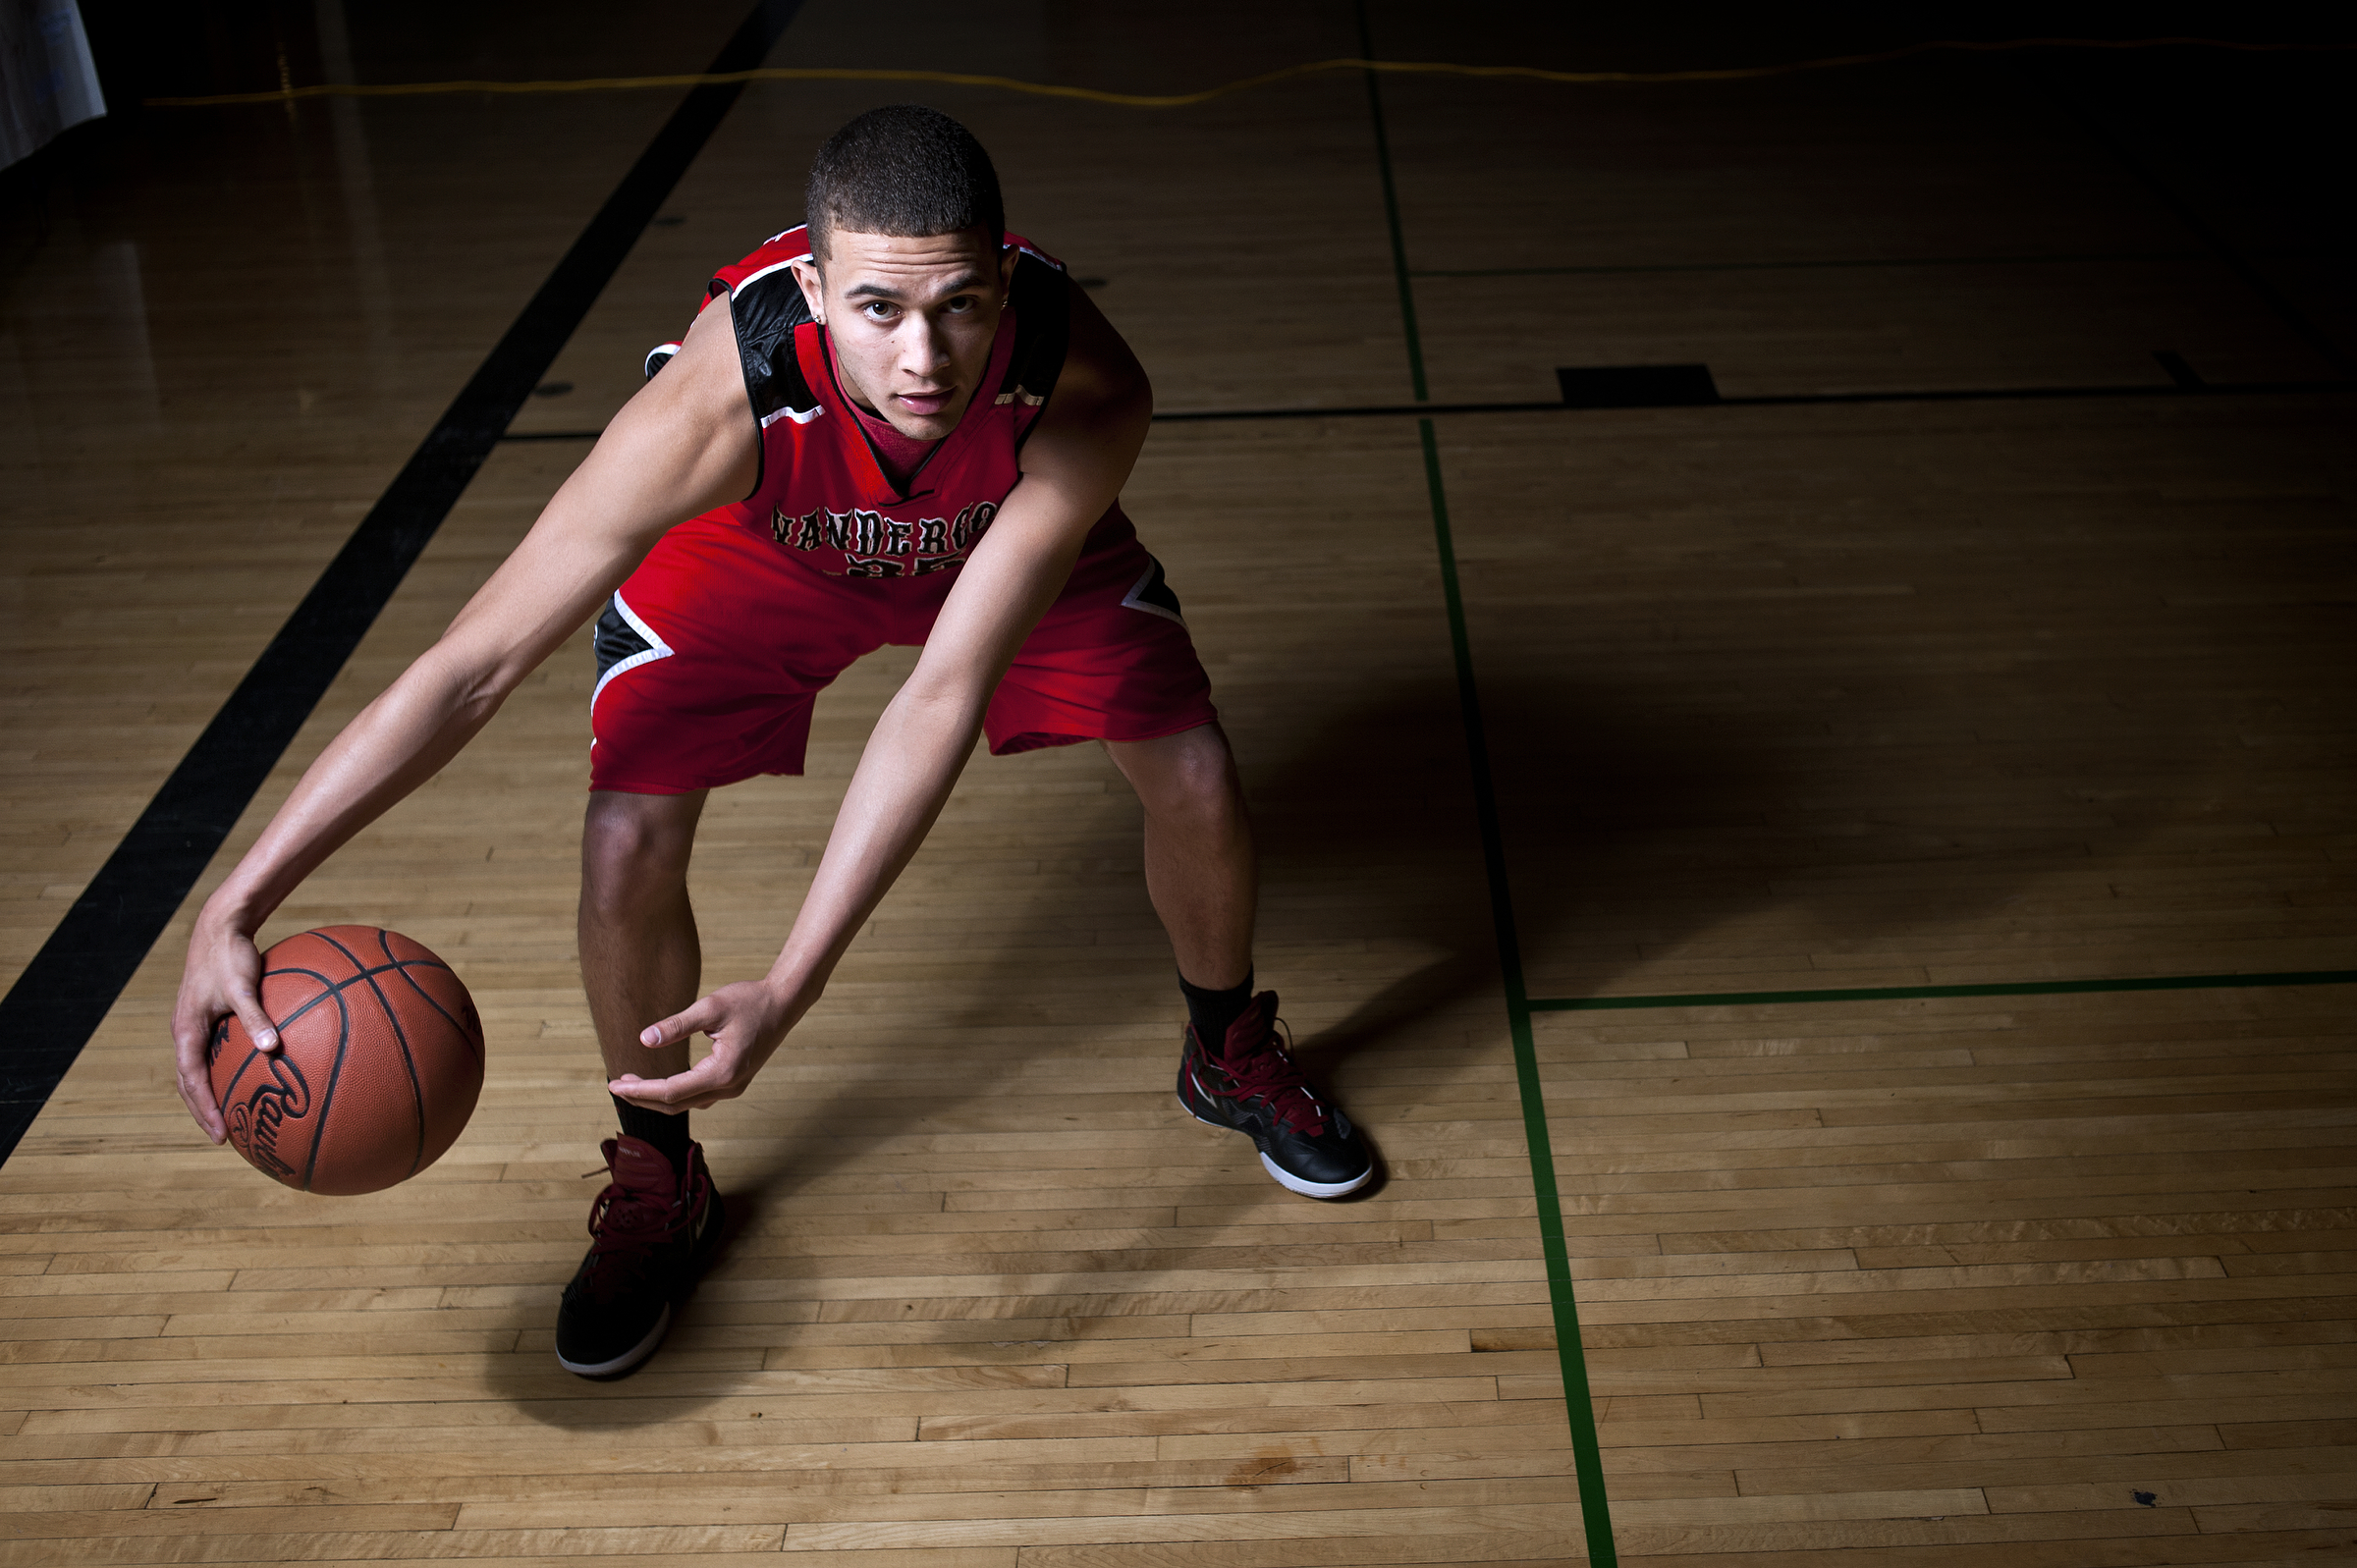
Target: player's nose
x: 926, y: 348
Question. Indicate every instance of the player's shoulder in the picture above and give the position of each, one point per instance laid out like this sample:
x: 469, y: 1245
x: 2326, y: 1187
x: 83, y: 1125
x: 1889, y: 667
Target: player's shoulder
x: 764, y: 298
x: 772, y: 259
x: 765, y: 305
x: 1039, y: 295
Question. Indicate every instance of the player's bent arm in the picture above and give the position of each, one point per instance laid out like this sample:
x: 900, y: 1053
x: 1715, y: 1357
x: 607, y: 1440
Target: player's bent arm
x: 686, y: 444
x: 1073, y: 467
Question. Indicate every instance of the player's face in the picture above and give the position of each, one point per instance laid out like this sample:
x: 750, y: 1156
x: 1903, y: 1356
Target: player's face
x: 911, y: 320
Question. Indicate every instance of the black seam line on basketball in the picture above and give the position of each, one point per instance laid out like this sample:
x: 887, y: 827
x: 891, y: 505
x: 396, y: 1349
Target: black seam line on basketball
x: 1781, y: 399
x: 331, y: 986
x: 401, y: 1038
x: 334, y: 985
x: 2048, y: 78
x: 2001, y: 988
x: 1579, y: 1407
x: 403, y: 966
x: 335, y: 1076
x: 62, y: 996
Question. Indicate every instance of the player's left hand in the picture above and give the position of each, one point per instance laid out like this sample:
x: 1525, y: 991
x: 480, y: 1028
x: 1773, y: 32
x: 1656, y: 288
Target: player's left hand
x: 746, y: 1023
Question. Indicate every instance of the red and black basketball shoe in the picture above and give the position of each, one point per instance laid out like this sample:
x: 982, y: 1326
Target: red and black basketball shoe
x: 653, y: 1231
x: 1253, y: 1087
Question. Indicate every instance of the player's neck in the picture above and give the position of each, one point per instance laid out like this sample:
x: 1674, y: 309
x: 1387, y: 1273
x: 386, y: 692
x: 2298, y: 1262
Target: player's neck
x: 899, y: 455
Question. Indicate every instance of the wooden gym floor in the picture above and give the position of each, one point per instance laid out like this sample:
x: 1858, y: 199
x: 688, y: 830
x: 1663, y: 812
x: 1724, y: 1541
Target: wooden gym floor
x: 1983, y: 707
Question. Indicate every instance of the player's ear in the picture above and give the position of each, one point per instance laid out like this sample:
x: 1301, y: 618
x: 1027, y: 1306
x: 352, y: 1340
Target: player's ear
x: 814, y: 288
x: 1008, y: 255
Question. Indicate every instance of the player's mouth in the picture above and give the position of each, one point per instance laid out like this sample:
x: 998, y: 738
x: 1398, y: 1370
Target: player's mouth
x: 925, y: 405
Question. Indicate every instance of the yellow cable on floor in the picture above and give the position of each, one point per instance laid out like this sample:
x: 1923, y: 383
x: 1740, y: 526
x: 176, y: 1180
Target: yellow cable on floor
x: 1180, y: 100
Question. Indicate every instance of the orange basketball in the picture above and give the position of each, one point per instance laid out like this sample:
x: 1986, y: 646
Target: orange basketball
x: 379, y: 1063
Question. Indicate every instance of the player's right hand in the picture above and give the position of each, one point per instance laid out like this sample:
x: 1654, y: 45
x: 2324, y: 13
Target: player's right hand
x: 223, y: 975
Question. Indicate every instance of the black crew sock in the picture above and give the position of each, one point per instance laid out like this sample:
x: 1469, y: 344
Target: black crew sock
x: 667, y: 1132
x: 1212, y: 1012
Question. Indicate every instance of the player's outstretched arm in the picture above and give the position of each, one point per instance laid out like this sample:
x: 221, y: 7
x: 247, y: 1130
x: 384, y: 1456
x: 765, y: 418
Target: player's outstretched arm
x: 1075, y: 466
x: 686, y: 444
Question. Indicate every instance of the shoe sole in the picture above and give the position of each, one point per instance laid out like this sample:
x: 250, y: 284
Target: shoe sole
x: 1285, y: 1178
x: 629, y: 1359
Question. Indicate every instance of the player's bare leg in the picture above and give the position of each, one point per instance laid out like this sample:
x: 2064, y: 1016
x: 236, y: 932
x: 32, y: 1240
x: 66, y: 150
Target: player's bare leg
x: 640, y: 957
x: 1234, y: 1070
x: 1201, y: 871
x: 658, y: 1221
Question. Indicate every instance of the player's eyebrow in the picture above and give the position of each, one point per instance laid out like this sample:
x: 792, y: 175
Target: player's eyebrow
x: 884, y: 290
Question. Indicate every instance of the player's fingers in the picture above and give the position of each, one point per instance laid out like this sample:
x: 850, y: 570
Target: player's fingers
x: 702, y: 1017
x: 259, y: 1027
x: 665, y: 1094
x: 192, y: 1076
x: 196, y: 1093
x: 197, y: 1096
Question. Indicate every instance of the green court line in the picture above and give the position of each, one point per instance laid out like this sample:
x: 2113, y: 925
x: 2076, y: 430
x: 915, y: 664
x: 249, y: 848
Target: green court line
x: 1391, y: 213
x: 2008, y: 988
x: 1801, y: 266
x: 1587, y: 1459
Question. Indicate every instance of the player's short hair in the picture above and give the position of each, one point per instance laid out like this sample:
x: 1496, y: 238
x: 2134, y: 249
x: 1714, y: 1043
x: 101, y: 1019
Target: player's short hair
x: 902, y: 169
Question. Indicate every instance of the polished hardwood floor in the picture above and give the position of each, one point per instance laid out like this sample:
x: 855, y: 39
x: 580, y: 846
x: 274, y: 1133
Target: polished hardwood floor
x: 1777, y: 698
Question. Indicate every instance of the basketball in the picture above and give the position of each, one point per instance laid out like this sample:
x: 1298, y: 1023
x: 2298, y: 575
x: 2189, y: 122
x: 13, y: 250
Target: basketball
x: 379, y: 1063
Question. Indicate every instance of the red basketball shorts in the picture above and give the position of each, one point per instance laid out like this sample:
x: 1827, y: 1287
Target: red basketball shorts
x: 711, y: 654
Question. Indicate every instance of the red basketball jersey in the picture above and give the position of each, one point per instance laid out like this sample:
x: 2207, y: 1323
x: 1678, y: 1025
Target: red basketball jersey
x: 824, y: 495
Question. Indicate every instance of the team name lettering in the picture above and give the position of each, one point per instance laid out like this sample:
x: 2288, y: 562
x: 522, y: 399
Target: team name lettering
x: 874, y: 543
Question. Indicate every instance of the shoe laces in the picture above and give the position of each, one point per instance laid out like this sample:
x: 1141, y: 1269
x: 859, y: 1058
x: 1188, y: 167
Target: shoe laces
x: 1271, y: 1076
x: 626, y: 1220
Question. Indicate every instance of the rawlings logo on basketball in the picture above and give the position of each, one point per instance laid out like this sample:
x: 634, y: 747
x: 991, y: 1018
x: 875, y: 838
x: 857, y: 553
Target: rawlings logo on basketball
x: 256, y: 1121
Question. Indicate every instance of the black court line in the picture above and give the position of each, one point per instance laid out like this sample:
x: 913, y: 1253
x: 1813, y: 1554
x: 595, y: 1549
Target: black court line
x: 1779, y: 400
x: 2001, y: 988
x: 1782, y: 400
x: 1823, y: 264
x: 65, y: 992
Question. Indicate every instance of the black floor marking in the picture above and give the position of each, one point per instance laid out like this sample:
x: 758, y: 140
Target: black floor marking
x: 1636, y: 386
x: 2144, y: 389
x: 1678, y: 396
x: 1815, y: 264
x: 60, y: 999
x: 2183, y: 374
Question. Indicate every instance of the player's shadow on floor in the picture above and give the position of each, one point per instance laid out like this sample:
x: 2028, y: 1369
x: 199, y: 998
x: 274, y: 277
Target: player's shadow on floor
x: 1627, y: 833
x: 1586, y: 784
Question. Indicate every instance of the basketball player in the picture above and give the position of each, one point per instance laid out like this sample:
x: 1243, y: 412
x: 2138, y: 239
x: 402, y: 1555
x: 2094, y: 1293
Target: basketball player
x: 900, y: 424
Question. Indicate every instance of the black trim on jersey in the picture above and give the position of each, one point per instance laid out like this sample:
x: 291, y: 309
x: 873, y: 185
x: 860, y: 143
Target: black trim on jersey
x: 616, y: 639
x: 658, y: 356
x: 766, y: 309
x: 1040, y: 296
x: 1153, y: 594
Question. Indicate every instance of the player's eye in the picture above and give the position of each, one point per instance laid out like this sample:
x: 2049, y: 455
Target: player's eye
x: 960, y: 305
x: 880, y: 311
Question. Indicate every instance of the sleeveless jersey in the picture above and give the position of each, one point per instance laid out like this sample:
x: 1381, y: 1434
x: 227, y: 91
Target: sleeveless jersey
x: 823, y: 495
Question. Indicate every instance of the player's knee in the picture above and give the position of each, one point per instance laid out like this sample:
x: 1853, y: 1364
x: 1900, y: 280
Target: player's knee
x: 631, y: 852
x: 1194, y: 783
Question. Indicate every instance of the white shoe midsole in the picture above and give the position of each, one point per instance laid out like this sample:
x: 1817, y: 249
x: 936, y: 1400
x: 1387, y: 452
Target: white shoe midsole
x: 1315, y: 1189
x: 628, y: 1358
